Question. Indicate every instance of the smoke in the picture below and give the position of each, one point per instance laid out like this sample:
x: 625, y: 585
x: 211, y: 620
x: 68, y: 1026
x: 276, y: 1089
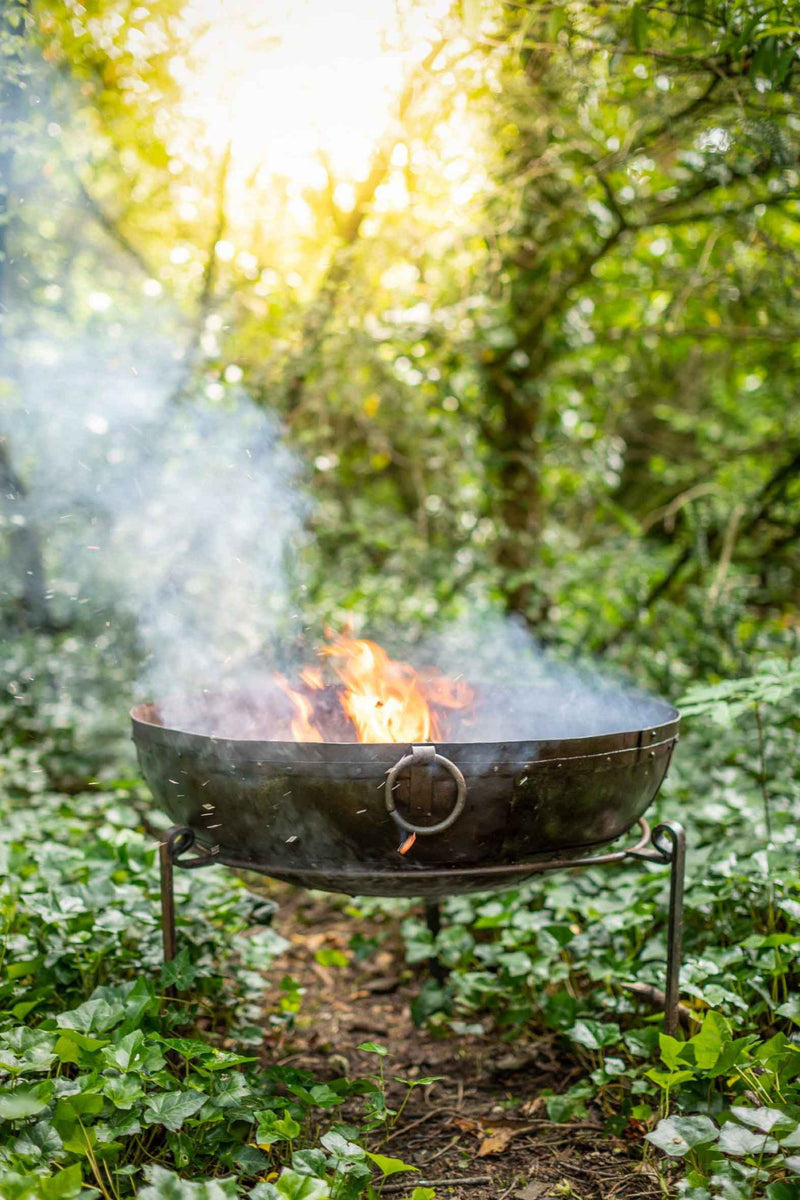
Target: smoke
x: 187, y: 516
x: 190, y: 517
x: 523, y: 692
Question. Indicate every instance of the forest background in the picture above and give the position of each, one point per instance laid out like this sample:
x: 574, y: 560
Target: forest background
x: 529, y: 338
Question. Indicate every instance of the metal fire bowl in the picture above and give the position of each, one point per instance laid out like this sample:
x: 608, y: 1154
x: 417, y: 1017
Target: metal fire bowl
x: 333, y: 815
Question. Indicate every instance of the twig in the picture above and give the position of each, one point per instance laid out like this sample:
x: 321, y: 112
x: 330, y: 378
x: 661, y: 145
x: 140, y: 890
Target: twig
x: 655, y: 997
x: 514, y: 1183
x: 413, y: 1124
x: 443, y: 1150
x: 729, y: 541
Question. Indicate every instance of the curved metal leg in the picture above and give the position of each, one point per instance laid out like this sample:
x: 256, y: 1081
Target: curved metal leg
x: 176, y: 842
x: 167, y: 902
x: 668, y: 842
x: 677, y: 860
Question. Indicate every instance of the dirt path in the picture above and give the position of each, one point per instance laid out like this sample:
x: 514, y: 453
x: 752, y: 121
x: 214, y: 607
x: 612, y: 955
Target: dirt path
x: 479, y: 1133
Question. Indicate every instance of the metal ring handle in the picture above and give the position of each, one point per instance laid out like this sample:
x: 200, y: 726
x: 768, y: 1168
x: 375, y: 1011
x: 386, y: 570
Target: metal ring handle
x: 423, y: 754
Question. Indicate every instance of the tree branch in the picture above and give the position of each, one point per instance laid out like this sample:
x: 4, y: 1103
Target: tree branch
x: 110, y: 226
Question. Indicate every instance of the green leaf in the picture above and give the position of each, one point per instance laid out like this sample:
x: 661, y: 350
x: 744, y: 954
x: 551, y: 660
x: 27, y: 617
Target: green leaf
x: 790, y: 1009
x: 373, y: 1048
x: 274, y: 1128
x: 737, y: 1140
x: 25, y: 1101
x: 331, y: 958
x: 764, y: 1119
x: 78, y: 1048
x: 677, y: 1135
x: 180, y: 972
x: 389, y: 1166
x: 594, y: 1035
x: 38, y: 1142
x: 95, y: 1016
x: 64, y: 1185
x: 123, y: 1090
x: 310, y: 1162
x: 709, y: 1043
x: 134, y: 1053
x: 341, y: 1147
x: 171, y: 1109
x: 301, y: 1187
x: 672, y: 1051
x: 167, y: 1186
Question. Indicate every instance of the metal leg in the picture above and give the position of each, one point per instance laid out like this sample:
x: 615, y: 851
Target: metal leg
x: 433, y: 916
x: 433, y: 919
x: 176, y: 842
x: 675, y: 847
x: 167, y: 902
x: 668, y: 842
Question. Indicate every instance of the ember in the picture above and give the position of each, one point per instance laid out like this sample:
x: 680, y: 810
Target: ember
x: 385, y: 700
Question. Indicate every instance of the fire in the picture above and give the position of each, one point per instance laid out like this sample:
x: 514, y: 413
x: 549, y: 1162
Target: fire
x: 302, y: 729
x: 385, y: 700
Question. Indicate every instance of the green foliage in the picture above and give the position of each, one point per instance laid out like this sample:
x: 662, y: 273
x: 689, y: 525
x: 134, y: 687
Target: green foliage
x: 105, y: 1082
x: 559, y: 378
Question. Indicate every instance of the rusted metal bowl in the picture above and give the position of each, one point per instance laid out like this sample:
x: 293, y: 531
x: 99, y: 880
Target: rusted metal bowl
x: 333, y: 815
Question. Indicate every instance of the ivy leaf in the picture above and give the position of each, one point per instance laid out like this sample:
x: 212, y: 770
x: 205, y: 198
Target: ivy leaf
x: 272, y: 1128
x: 25, y: 1101
x: 78, y: 1048
x: 133, y: 1053
x: 738, y: 1141
x: 672, y: 1051
x: 710, y: 1042
x: 94, y: 1016
x: 38, y: 1142
x: 301, y: 1187
x: 790, y: 1009
x: 171, y: 1109
x: 123, y: 1090
x: 677, y: 1135
x: 167, y: 1186
x: 341, y: 1147
x: 763, y: 1119
x: 389, y: 1166
x: 594, y: 1035
x: 179, y: 972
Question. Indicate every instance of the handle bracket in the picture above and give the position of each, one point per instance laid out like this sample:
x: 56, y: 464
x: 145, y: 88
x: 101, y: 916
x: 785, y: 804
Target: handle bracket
x: 425, y: 756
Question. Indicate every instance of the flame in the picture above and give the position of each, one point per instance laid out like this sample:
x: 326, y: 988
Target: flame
x: 301, y: 726
x: 386, y: 700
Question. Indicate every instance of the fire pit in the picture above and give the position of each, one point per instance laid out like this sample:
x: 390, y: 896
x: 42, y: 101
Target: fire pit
x: 416, y: 818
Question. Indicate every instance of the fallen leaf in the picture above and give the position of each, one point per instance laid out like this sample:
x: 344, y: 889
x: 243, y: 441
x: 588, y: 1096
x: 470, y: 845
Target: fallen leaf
x: 533, y: 1190
x: 496, y: 1142
x: 465, y: 1124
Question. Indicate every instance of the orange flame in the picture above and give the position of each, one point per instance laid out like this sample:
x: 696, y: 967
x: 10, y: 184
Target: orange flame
x: 302, y: 729
x: 386, y: 700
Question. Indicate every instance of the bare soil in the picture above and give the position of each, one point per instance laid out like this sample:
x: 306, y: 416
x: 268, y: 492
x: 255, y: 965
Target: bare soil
x: 481, y: 1131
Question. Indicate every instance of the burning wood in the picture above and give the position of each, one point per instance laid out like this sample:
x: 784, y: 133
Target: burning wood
x: 383, y: 699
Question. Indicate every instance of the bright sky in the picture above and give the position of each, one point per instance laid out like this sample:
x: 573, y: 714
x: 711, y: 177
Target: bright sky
x: 286, y: 79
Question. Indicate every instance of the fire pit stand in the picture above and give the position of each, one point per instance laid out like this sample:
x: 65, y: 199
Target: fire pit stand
x: 665, y: 845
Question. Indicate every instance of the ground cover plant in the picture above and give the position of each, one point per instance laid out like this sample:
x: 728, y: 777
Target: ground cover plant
x: 524, y: 351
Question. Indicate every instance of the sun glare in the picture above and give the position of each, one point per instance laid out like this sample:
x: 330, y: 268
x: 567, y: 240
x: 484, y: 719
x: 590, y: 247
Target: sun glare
x: 288, y: 83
